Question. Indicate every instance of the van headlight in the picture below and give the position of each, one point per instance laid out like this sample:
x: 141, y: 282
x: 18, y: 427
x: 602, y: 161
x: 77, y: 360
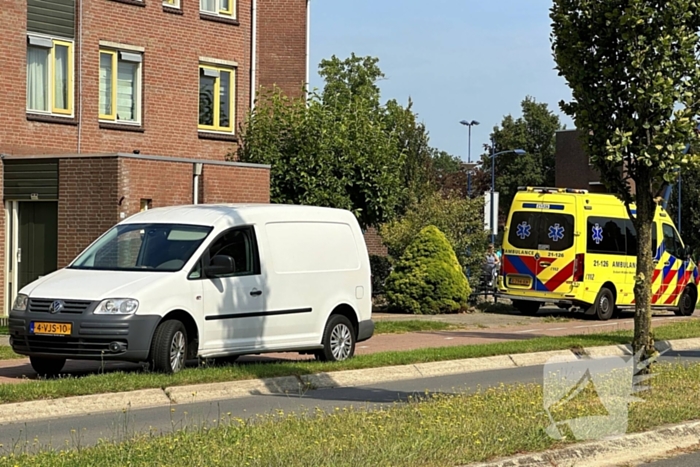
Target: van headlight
x: 117, y: 306
x: 20, y: 303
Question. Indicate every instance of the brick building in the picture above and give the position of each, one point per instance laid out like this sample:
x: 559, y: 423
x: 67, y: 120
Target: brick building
x: 572, y: 168
x: 114, y: 106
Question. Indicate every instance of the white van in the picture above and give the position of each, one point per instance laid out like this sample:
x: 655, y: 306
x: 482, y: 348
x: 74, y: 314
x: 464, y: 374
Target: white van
x: 204, y: 281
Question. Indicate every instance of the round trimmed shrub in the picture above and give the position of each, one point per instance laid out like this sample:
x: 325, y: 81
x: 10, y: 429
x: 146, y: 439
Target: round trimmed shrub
x: 428, y: 278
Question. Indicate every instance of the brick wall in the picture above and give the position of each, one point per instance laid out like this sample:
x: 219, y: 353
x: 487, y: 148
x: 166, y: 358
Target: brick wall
x: 374, y: 243
x: 164, y: 183
x: 571, y: 168
x: 173, y: 45
x: 226, y: 184
x: 88, y: 203
x: 282, y: 44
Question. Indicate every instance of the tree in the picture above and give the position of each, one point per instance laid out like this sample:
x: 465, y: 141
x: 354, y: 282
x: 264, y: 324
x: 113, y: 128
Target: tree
x: 535, y: 132
x: 412, y: 141
x: 690, y: 209
x: 332, y: 150
x: 634, y: 75
x: 459, y: 218
x: 427, y: 278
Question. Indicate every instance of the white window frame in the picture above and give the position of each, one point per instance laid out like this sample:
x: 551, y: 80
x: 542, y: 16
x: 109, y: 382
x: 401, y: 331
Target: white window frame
x: 172, y: 3
x: 50, y: 43
x: 131, y: 55
x: 230, y: 13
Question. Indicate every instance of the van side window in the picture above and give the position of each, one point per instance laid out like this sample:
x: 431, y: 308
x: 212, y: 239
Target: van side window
x: 671, y: 241
x: 607, y: 236
x: 239, y: 244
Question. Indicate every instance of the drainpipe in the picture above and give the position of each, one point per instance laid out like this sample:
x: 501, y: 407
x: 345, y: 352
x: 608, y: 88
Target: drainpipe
x: 308, y: 43
x: 197, y: 170
x: 253, y: 53
x: 79, y: 75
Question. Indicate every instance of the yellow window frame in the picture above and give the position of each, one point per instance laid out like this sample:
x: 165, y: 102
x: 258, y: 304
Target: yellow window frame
x: 52, y: 80
x: 217, y: 100
x: 172, y: 3
x: 113, y: 54
x: 229, y: 11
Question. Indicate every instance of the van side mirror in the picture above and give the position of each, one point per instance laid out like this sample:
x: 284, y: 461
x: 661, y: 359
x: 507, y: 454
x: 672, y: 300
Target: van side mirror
x: 220, y: 265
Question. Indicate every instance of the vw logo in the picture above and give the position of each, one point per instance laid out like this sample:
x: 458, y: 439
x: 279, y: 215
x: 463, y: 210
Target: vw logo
x: 56, y: 307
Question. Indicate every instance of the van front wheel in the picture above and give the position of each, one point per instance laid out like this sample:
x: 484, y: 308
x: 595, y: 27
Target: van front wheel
x: 687, y: 302
x: 338, y: 340
x: 47, y: 367
x: 604, y: 304
x: 169, y: 348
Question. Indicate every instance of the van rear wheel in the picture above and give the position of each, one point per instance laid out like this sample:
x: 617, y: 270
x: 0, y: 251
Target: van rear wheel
x: 526, y: 307
x: 687, y: 302
x: 47, y: 367
x: 604, y: 305
x: 169, y: 347
x: 338, y: 340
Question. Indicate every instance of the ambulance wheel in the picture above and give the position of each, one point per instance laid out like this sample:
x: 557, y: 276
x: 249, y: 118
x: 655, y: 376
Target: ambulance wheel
x: 604, y: 304
x: 686, y: 305
x: 527, y: 307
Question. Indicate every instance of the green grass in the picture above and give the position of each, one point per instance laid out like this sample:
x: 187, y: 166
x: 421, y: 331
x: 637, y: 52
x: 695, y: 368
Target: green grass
x: 6, y: 353
x: 413, y: 325
x: 4, y: 330
x: 129, y: 381
x: 439, y: 430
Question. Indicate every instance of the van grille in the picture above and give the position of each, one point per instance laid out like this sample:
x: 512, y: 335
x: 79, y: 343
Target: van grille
x: 88, y: 347
x: 41, y: 305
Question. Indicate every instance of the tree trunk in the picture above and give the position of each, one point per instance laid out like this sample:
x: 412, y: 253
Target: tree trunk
x: 646, y: 209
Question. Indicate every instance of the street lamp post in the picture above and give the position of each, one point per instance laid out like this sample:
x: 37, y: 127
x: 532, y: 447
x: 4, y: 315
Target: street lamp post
x: 469, y: 154
x: 519, y: 152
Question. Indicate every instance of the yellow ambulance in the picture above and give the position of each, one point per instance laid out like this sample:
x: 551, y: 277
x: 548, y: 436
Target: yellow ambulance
x: 578, y: 250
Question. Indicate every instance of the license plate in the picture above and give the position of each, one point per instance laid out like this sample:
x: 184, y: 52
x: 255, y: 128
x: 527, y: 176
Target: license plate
x: 523, y: 281
x: 50, y: 329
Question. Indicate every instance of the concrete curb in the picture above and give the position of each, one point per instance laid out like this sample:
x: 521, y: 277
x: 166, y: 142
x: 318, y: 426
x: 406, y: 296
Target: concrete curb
x: 637, y: 447
x: 115, y: 402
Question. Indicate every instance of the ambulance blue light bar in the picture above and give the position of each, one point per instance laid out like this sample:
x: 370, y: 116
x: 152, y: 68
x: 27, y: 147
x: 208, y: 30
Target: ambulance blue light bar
x: 543, y: 189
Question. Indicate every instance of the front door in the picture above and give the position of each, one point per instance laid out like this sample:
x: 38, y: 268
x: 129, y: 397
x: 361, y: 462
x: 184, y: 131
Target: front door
x: 234, y: 305
x: 37, y: 240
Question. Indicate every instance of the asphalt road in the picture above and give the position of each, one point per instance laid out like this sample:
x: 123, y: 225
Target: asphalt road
x: 87, y: 430
x: 685, y: 460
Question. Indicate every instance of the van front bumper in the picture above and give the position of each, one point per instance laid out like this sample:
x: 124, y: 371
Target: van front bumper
x: 92, y: 337
x: 365, y: 329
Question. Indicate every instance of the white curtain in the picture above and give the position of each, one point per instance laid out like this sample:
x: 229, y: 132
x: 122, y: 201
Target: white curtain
x: 105, y: 84
x: 61, y: 77
x: 208, y: 5
x: 126, y: 91
x: 38, y: 78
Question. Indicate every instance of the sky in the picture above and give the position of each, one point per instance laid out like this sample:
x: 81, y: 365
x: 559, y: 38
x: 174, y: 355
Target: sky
x: 456, y: 59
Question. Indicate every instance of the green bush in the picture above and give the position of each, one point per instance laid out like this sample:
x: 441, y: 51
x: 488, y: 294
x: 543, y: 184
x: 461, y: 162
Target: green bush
x: 381, y: 267
x: 428, y: 279
x: 460, y: 219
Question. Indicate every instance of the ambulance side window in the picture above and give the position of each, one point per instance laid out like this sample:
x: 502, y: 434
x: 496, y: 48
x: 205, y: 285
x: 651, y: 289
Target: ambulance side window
x: 632, y: 243
x: 672, y: 242
x: 608, y: 236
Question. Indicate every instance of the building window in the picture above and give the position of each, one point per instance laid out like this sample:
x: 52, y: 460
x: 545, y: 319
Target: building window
x: 172, y: 3
x: 49, y: 75
x: 216, y: 98
x: 225, y: 8
x: 120, y: 86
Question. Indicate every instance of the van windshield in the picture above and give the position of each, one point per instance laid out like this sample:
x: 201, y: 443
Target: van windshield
x: 532, y: 230
x: 138, y: 247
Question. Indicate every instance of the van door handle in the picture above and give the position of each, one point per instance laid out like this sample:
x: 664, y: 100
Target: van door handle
x: 667, y: 263
x: 545, y: 265
x: 255, y: 292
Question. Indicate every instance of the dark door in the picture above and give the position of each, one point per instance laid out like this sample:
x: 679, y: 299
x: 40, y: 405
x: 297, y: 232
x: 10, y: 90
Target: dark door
x: 37, y: 253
